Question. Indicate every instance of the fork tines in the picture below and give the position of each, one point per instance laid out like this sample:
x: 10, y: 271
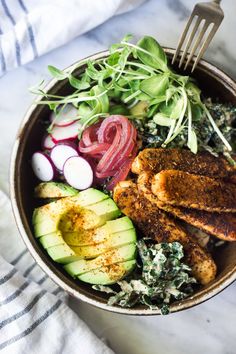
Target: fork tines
x: 204, y: 21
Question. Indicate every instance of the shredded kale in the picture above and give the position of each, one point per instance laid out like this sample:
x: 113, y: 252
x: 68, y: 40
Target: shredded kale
x: 164, y: 278
x: 224, y: 115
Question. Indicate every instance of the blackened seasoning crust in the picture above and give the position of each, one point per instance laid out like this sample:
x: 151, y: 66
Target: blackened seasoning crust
x: 161, y: 227
x: 202, y: 163
x: 192, y: 191
x: 221, y: 225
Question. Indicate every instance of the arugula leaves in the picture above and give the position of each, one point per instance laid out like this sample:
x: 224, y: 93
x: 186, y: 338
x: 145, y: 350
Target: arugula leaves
x: 131, y: 74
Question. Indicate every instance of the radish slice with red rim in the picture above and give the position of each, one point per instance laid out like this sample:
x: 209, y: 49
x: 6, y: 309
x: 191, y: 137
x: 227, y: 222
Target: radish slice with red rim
x: 78, y: 173
x: 70, y: 132
x: 47, y: 142
x: 42, y: 166
x: 72, y: 143
x: 66, y: 116
x: 60, y: 153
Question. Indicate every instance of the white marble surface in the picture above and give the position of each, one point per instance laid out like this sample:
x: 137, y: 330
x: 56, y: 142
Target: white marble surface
x: 210, y: 327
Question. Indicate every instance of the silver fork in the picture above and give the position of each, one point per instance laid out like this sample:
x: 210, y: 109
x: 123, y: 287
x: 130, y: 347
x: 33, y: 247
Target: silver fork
x: 208, y: 13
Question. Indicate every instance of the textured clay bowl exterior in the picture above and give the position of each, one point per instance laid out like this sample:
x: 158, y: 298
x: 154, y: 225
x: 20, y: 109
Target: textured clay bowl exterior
x: 214, y: 83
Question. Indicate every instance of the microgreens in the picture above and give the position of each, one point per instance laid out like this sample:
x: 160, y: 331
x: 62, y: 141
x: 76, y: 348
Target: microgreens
x: 132, y: 73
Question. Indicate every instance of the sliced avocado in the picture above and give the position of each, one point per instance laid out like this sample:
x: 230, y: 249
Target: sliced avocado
x: 106, y: 209
x: 117, y: 255
x: 86, y: 237
x: 84, y: 219
x: 118, y: 225
x: 115, y: 240
x: 68, y: 211
x: 54, y: 190
x: 84, y: 198
x: 63, y: 216
x: 53, y: 239
x: 52, y: 212
x: 91, y: 196
x: 62, y: 254
x: 80, y: 223
x: 98, y: 235
x: 108, y: 274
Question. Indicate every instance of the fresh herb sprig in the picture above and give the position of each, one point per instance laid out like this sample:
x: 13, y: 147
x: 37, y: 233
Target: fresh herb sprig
x: 164, y: 278
x: 131, y: 74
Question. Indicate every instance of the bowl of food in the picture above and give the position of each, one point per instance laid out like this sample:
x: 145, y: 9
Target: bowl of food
x: 123, y: 180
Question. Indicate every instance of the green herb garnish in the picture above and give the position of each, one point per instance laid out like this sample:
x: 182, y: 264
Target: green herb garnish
x: 164, y: 278
x: 130, y: 74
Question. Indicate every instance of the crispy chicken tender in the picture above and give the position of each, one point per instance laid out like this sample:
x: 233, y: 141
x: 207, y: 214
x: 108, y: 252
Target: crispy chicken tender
x: 155, y: 223
x: 203, y: 163
x: 191, y: 191
x: 221, y: 225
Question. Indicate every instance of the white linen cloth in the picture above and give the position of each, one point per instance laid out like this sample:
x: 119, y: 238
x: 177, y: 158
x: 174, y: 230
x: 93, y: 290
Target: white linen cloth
x: 34, y: 316
x: 30, y: 28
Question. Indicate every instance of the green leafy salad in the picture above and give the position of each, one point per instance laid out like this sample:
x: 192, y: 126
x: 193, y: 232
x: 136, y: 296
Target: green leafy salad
x: 135, y: 80
x: 163, y: 277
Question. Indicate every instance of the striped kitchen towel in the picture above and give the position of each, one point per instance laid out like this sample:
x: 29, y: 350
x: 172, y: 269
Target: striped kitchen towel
x: 34, y: 316
x: 30, y: 28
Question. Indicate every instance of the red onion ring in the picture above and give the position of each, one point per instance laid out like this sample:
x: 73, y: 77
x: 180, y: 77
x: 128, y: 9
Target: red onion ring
x: 94, y: 148
x: 90, y: 134
x: 112, y: 144
x: 126, y: 129
x: 107, y: 159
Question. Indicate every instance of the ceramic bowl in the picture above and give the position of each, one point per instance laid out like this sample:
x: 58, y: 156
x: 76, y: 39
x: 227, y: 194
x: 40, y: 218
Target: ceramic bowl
x: 214, y: 83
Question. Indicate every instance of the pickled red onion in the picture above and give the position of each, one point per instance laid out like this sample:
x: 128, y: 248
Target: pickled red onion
x: 94, y: 148
x: 90, y: 134
x: 111, y: 153
x: 112, y: 143
x: 123, y: 171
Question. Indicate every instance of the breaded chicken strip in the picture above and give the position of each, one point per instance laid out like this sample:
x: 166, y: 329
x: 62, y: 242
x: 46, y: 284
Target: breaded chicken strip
x: 203, y: 163
x: 191, y: 191
x: 221, y: 225
x: 153, y: 222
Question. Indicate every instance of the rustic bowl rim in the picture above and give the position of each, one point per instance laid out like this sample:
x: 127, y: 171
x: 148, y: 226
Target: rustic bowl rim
x: 195, y: 299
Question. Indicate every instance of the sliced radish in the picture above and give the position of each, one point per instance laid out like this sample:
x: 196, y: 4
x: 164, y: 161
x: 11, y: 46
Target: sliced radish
x: 60, y: 153
x: 42, y: 166
x: 65, y: 117
x: 47, y: 142
x: 78, y: 173
x: 70, y: 132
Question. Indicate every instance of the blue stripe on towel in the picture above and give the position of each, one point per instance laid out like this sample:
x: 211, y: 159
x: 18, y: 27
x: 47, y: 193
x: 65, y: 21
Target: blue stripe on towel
x: 8, y: 276
x: 18, y: 258
x: 28, y: 270
x: 11, y: 18
x: 29, y: 28
x: 34, y: 325
x: 14, y: 295
x: 27, y: 309
x: 7, y: 12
